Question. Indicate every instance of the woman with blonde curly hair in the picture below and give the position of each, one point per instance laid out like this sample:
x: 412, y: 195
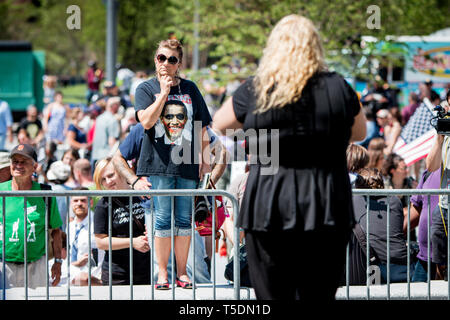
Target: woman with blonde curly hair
x: 306, y: 202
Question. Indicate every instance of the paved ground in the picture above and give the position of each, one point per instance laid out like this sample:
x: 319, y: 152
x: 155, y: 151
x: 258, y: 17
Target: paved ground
x: 398, y: 291
x: 203, y: 292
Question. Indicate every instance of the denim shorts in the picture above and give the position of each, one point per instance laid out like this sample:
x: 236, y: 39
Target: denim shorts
x: 162, y: 206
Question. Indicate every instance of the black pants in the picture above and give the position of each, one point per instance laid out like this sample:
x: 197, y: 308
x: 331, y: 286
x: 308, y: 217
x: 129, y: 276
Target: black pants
x: 438, y: 237
x: 292, y: 265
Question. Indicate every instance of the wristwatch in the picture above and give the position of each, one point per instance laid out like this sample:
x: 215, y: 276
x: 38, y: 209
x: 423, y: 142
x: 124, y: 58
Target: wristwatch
x: 58, y: 260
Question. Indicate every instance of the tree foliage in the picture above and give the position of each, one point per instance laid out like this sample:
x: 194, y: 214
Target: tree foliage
x: 228, y: 29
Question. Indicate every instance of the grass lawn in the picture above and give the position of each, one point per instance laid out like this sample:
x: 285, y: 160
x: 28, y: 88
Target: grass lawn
x: 74, y: 94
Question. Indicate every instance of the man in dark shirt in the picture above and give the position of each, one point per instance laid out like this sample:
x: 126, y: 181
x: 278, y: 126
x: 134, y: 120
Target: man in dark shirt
x: 32, y: 125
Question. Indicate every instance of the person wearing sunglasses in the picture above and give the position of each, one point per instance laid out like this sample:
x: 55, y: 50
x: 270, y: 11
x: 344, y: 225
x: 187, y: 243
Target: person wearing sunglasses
x: 167, y: 126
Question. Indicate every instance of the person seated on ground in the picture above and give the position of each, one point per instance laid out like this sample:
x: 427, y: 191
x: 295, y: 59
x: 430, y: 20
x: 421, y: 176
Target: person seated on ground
x: 357, y: 158
x: 370, y: 178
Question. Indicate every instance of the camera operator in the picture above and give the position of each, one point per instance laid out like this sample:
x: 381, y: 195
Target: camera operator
x: 438, y: 155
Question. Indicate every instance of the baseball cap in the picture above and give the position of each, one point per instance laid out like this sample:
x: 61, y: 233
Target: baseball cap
x: 4, y: 159
x: 24, y: 150
x: 109, y: 84
x: 58, y: 171
x: 95, y: 109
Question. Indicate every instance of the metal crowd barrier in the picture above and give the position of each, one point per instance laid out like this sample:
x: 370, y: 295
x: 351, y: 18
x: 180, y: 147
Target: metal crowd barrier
x: 408, y: 193
x: 122, y: 193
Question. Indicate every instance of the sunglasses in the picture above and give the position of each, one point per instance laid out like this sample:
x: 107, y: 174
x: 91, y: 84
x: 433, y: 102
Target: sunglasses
x: 180, y: 116
x: 172, y: 60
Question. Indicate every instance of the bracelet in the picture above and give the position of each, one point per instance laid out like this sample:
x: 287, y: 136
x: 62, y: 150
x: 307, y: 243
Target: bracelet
x: 58, y: 260
x: 132, y: 185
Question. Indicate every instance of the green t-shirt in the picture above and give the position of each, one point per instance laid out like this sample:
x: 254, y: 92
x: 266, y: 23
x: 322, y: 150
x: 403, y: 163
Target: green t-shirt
x: 14, y: 219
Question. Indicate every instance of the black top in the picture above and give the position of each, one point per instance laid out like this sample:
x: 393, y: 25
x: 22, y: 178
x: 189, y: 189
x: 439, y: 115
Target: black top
x: 121, y: 229
x: 31, y: 127
x: 160, y: 154
x: 311, y: 187
x: 378, y: 226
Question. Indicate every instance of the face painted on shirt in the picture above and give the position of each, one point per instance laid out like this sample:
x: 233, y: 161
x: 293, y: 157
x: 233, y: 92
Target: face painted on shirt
x: 174, y: 120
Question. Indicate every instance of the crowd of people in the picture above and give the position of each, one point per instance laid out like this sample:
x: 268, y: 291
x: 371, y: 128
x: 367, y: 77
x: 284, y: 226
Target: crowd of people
x: 159, y: 133
x: 372, y: 164
x: 104, y: 147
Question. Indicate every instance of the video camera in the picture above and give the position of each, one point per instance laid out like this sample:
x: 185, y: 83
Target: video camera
x: 442, y: 125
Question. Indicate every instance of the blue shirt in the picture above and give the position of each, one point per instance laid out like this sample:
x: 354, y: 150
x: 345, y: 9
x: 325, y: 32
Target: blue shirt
x: 5, y: 117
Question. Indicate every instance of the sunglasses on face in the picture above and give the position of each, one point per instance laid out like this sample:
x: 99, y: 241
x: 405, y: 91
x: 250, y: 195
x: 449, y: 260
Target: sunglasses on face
x: 172, y: 59
x: 180, y: 116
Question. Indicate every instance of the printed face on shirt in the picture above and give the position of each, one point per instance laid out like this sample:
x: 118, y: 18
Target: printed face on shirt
x: 174, y: 119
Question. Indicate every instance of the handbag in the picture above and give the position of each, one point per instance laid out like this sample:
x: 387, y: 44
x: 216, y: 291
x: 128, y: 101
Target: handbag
x: 204, y: 213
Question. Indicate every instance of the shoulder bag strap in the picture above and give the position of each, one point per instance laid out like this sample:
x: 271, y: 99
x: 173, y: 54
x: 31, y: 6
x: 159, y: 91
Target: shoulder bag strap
x: 361, y: 237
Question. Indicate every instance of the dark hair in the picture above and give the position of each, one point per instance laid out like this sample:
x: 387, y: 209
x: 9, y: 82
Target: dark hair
x: 390, y: 163
x: 73, y: 152
x: 81, y: 188
x: 174, y: 102
x: 434, y: 96
x: 369, y: 178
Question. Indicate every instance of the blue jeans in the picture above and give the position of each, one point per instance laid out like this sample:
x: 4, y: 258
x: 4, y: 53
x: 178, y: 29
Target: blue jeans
x: 201, y: 268
x: 163, y: 207
x: 398, y: 272
x: 420, y: 271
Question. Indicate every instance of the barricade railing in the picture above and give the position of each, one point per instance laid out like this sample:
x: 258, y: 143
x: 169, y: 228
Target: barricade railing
x: 123, y: 193
x: 393, y: 193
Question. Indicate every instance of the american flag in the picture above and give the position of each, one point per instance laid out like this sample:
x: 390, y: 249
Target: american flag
x: 417, y: 137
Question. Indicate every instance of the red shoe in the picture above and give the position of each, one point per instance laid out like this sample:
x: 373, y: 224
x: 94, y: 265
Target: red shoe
x: 162, y: 286
x: 184, y: 284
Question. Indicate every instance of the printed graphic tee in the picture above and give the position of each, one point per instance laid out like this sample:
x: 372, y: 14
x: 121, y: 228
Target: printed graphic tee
x: 168, y: 148
x: 121, y: 229
x: 14, y: 219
